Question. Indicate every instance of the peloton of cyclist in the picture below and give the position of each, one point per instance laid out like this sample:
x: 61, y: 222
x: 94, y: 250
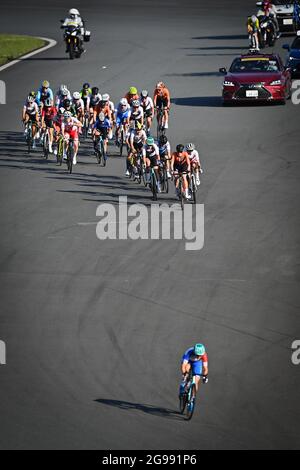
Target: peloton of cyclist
x: 31, y: 113
x: 137, y: 140
x: 48, y: 114
x: 44, y: 93
x: 132, y: 95
x: 148, y: 107
x: 151, y: 159
x: 69, y: 129
x: 78, y: 105
x: 180, y: 164
x: 196, y: 360
x: 162, y: 99
x: 122, y: 117
x: 195, y: 161
x: 101, y: 127
x: 165, y: 152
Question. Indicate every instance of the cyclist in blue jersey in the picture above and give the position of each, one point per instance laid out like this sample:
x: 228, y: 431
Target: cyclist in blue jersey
x: 195, y: 359
x: 122, y: 117
x: 44, y: 94
x: 102, y: 127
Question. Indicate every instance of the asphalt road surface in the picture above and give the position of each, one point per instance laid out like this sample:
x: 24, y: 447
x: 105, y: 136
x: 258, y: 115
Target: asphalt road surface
x: 95, y: 329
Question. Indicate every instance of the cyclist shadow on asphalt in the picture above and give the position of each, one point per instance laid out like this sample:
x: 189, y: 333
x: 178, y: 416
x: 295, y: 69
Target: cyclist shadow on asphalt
x: 205, y: 101
x: 148, y: 409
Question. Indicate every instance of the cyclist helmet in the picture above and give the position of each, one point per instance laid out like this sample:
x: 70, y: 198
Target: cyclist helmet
x: 163, y: 140
x: 33, y: 94
x: 65, y: 93
x: 132, y: 90
x: 61, y: 111
x: 135, y: 103
x: 150, y: 141
x: 190, y: 147
x: 138, y: 126
x: 62, y: 88
x: 124, y: 102
x: 179, y: 148
x: 67, y: 115
x: 105, y: 97
x: 76, y: 95
x: 86, y: 86
x: 144, y: 94
x: 199, y: 349
x: 30, y: 99
x: 160, y: 85
x: 74, y: 11
x: 101, y: 117
x: 67, y: 103
x: 48, y: 103
x: 45, y: 84
x: 253, y: 18
x: 95, y: 90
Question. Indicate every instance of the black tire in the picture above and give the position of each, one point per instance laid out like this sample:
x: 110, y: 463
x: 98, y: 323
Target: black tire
x: 121, y: 142
x: 71, y: 51
x: 103, y: 153
x: 46, y: 145
x: 70, y: 158
x: 154, y: 186
x: 193, y: 189
x: 189, y: 411
x: 181, y: 198
x: 182, y: 402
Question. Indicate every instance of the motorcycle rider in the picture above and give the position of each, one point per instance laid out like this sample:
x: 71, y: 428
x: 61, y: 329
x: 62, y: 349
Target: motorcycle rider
x: 268, y: 9
x: 74, y: 19
x: 254, y: 29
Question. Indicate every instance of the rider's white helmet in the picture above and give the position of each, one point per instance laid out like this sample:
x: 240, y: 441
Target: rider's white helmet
x: 105, y: 97
x: 123, y: 102
x: 253, y: 18
x: 67, y: 115
x: 74, y: 11
x: 76, y: 95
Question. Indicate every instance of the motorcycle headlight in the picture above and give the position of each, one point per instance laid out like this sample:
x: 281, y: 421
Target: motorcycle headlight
x: 74, y: 33
x: 276, y: 82
x: 228, y: 83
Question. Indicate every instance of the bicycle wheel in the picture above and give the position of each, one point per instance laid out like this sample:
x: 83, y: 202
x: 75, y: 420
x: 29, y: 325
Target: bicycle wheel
x: 60, y: 152
x: 154, y: 185
x: 70, y: 157
x: 121, y: 142
x: 191, y: 403
x: 181, y: 197
x: 29, y: 139
x: 165, y: 181
x: 46, y: 145
x: 103, y: 153
x: 182, y: 402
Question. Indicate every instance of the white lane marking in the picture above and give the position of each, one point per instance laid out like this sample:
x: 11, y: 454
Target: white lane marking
x: 51, y: 43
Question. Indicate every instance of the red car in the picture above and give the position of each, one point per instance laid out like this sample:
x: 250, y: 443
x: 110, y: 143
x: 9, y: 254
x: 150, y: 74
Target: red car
x: 256, y: 77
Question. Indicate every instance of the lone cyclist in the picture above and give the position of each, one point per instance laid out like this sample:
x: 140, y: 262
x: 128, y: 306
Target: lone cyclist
x: 194, y: 358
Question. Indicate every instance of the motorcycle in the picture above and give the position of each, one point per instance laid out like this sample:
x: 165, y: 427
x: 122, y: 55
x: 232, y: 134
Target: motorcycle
x: 73, y: 40
x: 267, y: 34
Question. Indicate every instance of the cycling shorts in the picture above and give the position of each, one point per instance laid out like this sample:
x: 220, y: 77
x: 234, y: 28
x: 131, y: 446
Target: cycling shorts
x: 181, y: 167
x: 73, y: 134
x: 197, y: 366
x: 161, y: 102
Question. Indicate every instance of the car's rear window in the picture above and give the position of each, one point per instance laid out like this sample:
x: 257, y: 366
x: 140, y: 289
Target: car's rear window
x: 252, y: 65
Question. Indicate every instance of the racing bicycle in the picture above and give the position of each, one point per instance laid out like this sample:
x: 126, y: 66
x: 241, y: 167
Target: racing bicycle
x: 29, y: 137
x: 99, y: 151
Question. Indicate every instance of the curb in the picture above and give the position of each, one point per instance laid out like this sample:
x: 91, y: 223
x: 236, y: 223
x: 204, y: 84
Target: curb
x: 51, y: 43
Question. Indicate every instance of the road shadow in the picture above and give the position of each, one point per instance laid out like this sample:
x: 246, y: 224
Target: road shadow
x: 148, y: 409
x: 45, y: 58
x: 223, y: 37
x: 201, y: 101
x: 194, y: 74
x: 216, y: 48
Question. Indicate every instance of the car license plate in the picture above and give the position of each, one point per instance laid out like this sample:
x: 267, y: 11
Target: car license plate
x: 251, y: 93
x: 288, y: 21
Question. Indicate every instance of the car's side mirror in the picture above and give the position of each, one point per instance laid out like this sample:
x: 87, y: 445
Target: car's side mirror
x: 286, y: 46
x: 223, y: 70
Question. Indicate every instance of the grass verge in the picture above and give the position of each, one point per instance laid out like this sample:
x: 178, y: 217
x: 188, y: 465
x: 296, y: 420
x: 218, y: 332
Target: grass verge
x: 13, y: 46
